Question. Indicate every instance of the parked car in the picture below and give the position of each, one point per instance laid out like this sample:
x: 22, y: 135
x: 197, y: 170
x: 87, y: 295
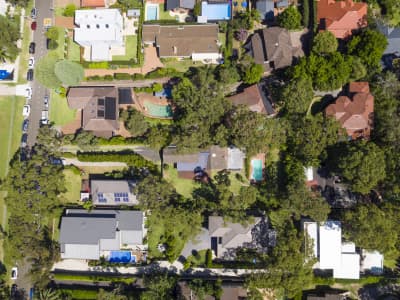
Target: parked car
x: 23, y: 154
x: 34, y: 13
x: 55, y: 161
x: 25, y: 125
x: 48, y: 44
x: 32, y: 48
x: 33, y: 25
x: 31, y: 62
x: 24, y: 140
x: 46, y: 102
x: 31, y: 293
x: 14, y: 273
x: 28, y: 93
x: 45, y: 117
x: 26, y: 111
x: 29, y: 75
x: 14, y: 290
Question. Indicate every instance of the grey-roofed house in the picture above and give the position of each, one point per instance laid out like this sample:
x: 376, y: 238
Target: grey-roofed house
x: 273, y: 48
x: 198, y: 42
x: 266, y: 9
x: 176, y: 4
x: 99, y: 108
x: 113, y: 192
x: 392, y: 50
x: 88, y: 235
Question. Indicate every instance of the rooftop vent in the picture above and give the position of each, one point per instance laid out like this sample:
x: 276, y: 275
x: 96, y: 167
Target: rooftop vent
x: 107, y: 26
x: 276, y: 44
x: 87, y: 26
x: 97, y: 26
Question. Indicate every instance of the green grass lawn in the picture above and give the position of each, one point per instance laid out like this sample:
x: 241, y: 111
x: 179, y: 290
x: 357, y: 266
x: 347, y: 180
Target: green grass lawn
x: 61, y: 43
x: 315, y: 106
x: 74, y: 51
x: 198, y: 260
x: 164, y: 14
x: 10, y: 129
x: 181, y: 65
x: 60, y: 113
x: 130, y: 49
x: 222, y: 38
x: 73, y: 186
x: 183, y: 186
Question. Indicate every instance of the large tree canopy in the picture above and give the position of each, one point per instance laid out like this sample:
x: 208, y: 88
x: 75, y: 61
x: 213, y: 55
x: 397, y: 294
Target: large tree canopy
x: 297, y: 96
x: 70, y: 73
x: 9, y: 35
x: 134, y: 122
x: 325, y: 42
x: 290, y: 18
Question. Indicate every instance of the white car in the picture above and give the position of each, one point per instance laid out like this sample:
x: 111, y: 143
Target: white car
x: 26, y: 111
x: 31, y: 62
x: 28, y: 93
x: 14, y: 273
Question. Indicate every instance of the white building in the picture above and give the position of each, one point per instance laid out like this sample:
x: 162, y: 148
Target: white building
x: 372, y: 262
x: 99, y: 31
x: 331, y: 252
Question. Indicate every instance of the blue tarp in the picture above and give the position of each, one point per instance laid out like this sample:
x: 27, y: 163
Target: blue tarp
x: 217, y: 11
x: 4, y: 74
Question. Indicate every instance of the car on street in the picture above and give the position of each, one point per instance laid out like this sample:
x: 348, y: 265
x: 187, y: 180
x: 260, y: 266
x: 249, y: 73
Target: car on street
x: 14, y: 273
x: 32, y: 48
x: 14, y: 291
x: 28, y: 94
x: 23, y: 154
x: 34, y: 13
x: 25, y: 125
x: 48, y: 44
x: 45, y: 117
x: 29, y: 75
x: 24, y: 140
x: 31, y: 62
x: 46, y: 102
x: 33, y: 25
x: 26, y: 110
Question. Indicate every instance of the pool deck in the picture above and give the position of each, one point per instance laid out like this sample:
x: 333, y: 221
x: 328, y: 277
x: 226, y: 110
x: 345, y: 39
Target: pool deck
x: 260, y: 156
x: 141, y: 98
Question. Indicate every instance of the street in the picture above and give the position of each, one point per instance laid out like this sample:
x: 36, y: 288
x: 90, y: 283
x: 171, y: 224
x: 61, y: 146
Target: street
x: 43, y: 11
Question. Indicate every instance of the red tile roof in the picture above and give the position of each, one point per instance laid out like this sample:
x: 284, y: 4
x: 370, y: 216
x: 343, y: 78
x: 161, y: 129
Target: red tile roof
x: 341, y: 17
x: 92, y: 3
x: 355, y: 111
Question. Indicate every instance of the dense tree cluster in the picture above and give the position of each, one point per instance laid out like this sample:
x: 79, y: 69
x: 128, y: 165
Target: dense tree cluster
x: 290, y: 18
x: 9, y: 35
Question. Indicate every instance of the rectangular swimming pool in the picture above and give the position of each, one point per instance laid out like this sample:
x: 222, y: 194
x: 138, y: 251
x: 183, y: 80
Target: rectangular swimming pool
x: 121, y: 257
x: 151, y: 12
x: 257, y: 166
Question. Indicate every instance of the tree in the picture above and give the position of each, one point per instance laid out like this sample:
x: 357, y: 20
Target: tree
x: 159, y: 286
x: 197, y: 9
x: 372, y: 227
x: 305, y: 10
x: 290, y: 18
x: 159, y: 136
x: 44, y: 71
x: 69, y: 10
x: 297, y: 96
x: 390, y: 10
x: 362, y: 164
x: 9, y: 35
x: 21, y: 3
x: 209, y: 258
x: 245, y: 19
x: 113, y: 295
x: 253, y: 74
x: 49, y: 138
x: 47, y: 294
x: 201, y: 288
x: 358, y: 71
x: 134, y: 122
x: 227, y: 74
x: 325, y: 42
x: 70, y: 73
x: 53, y: 44
x: 52, y: 33
x: 241, y: 35
x: 369, y: 46
x: 85, y: 140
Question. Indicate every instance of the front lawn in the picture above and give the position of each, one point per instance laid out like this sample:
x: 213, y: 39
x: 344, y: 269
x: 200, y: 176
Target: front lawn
x: 181, y: 65
x: 60, y: 113
x: 74, y: 51
x: 10, y: 129
x: 130, y: 49
x: 61, y: 43
x: 73, y: 186
x: 198, y: 260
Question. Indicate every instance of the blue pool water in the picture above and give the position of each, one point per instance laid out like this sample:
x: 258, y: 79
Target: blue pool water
x: 257, y: 173
x: 216, y: 11
x: 152, y: 12
x: 121, y: 257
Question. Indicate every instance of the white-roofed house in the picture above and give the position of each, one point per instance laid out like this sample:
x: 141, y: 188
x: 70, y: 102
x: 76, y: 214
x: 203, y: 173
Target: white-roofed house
x: 99, y: 30
x: 330, y: 244
x: 372, y: 262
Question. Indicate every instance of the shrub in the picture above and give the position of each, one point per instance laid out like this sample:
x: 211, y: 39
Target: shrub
x: 108, y: 78
x: 68, y: 155
x: 138, y: 76
x: 208, y: 258
x: 53, y: 44
x: 69, y: 10
x: 97, y: 65
x: 157, y: 87
x: 122, y: 76
x: 93, y: 78
x: 162, y: 72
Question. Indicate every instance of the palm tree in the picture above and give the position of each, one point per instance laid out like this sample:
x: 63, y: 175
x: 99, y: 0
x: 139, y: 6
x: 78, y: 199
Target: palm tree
x: 48, y: 294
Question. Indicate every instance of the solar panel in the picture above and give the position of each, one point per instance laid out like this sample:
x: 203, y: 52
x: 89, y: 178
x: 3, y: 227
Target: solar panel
x: 117, y: 199
x: 100, y: 113
x: 124, y: 194
x: 101, y: 198
x: 126, y: 199
x: 100, y: 101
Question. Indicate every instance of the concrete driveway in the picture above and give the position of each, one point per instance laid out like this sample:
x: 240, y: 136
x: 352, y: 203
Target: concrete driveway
x: 6, y: 90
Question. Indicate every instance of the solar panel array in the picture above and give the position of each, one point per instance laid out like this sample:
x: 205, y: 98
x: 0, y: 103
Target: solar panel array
x: 101, y: 198
x: 118, y: 197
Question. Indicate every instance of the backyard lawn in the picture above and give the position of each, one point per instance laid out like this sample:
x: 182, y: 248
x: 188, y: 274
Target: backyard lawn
x: 130, y: 49
x: 182, y: 186
x: 60, y: 113
x: 164, y: 14
x: 73, y: 186
x: 10, y: 129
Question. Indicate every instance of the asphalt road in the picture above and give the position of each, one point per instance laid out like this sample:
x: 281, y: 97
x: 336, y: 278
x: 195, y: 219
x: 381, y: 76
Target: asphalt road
x: 43, y: 11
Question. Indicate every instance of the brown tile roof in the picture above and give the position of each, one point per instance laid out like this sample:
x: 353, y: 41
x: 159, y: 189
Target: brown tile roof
x: 182, y: 40
x: 65, y: 22
x: 355, y: 111
x: 341, y: 17
x: 250, y: 97
x: 92, y: 3
x: 99, y: 107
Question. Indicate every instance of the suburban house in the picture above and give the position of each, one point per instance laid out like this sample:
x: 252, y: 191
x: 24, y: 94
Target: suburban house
x: 256, y: 99
x: 275, y: 48
x: 214, y: 159
x: 98, y: 107
x: 230, y: 291
x: 89, y: 235
x: 341, y: 17
x: 331, y: 252
x: 372, y: 262
x: 113, y: 192
x: 198, y: 42
x: 176, y: 4
x: 392, y: 50
x: 100, y: 32
x: 215, y: 10
x: 266, y: 9
x: 224, y: 238
x: 93, y: 3
x: 354, y: 111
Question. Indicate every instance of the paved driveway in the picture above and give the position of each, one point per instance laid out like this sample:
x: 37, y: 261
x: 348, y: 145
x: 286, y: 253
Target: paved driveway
x: 6, y: 90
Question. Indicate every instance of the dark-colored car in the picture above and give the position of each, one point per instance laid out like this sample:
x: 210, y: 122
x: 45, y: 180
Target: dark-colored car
x: 29, y: 75
x: 55, y: 161
x: 48, y: 44
x: 33, y: 25
x: 24, y: 140
x: 32, y: 48
x: 14, y: 290
x: 25, y: 125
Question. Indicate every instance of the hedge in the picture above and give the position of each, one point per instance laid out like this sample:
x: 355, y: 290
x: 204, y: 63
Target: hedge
x: 122, y: 76
x: 90, y: 278
x: 96, y: 65
x: 68, y: 155
x: 119, y: 140
x: 163, y: 72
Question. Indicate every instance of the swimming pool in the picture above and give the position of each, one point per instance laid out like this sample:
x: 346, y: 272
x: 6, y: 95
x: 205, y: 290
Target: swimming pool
x: 156, y: 110
x: 121, y: 257
x: 257, y: 166
x: 151, y: 12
